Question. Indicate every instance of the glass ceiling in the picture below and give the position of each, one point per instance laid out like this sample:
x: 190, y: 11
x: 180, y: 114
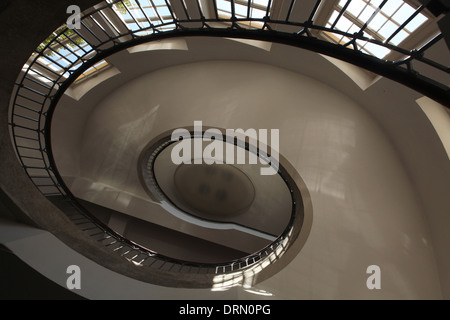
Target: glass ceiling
x: 387, y: 21
x: 242, y: 10
x: 138, y: 15
x: 61, y: 57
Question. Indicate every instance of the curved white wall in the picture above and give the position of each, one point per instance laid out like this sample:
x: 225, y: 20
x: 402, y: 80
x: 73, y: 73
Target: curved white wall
x: 365, y: 209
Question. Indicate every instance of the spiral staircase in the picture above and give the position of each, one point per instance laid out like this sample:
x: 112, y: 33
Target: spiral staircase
x: 37, y: 197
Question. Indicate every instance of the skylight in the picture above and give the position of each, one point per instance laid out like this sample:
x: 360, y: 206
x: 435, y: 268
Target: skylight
x: 64, y: 51
x: 137, y: 15
x: 99, y: 66
x: 390, y: 21
x: 63, y: 54
x: 242, y: 10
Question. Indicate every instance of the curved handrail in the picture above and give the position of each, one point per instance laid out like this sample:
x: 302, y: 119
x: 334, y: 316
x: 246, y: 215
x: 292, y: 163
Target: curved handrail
x: 104, y: 32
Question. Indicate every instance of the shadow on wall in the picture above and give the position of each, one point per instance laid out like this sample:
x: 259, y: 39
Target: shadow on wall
x: 18, y: 281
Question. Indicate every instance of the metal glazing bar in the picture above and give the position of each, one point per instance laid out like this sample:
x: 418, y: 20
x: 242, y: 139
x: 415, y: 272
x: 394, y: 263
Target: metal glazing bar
x: 34, y: 158
x: 131, y: 15
x: 25, y: 117
x: 32, y: 100
x: 99, y: 26
x: 48, y: 69
x: 313, y: 12
x: 434, y: 64
x: 249, y: 6
x: 170, y: 10
x: 430, y: 43
x: 199, y: 7
x: 38, y: 82
x: 67, y: 48
x: 42, y: 75
x: 53, y: 61
x: 25, y: 128
x: 341, y: 12
x: 155, y: 10
x: 21, y: 85
x: 269, y: 4
x: 185, y: 9
x: 27, y: 138
x: 90, y: 31
x: 403, y: 25
x: 372, y: 16
x: 27, y: 108
x: 233, y: 13
x: 75, y: 43
x: 59, y: 54
x: 84, y: 38
x: 216, y: 13
x: 144, y: 13
x: 106, y: 18
x: 290, y: 10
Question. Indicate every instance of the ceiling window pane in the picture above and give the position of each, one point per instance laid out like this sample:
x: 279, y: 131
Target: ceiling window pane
x: 377, y: 22
x: 382, y: 23
x: 388, y: 29
x: 240, y: 10
x: 366, y: 14
x: 333, y: 17
x: 223, y: 5
x: 356, y: 7
x: 163, y: 11
x: 344, y: 40
x: 376, y: 50
x: 399, y: 37
x: 403, y: 13
x: 258, y: 9
x: 391, y: 7
x: 343, y: 24
x: 416, y: 22
x: 353, y: 29
x: 361, y: 43
x: 258, y: 14
x: 263, y: 3
x: 376, y: 3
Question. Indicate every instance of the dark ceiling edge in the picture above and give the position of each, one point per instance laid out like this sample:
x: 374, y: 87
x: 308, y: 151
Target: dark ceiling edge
x: 19, y: 281
x: 15, y: 18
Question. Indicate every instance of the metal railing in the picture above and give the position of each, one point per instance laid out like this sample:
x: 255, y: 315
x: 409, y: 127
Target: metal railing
x: 118, y: 24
